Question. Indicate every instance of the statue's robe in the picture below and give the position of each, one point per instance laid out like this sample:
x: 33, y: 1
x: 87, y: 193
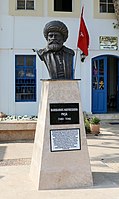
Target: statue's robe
x: 59, y: 63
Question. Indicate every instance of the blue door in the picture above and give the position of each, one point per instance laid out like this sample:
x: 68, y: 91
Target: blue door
x: 118, y: 87
x: 99, y: 84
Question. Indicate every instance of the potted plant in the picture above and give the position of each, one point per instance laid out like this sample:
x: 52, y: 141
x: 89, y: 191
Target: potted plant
x: 95, y: 125
x: 86, y: 122
x: 87, y: 125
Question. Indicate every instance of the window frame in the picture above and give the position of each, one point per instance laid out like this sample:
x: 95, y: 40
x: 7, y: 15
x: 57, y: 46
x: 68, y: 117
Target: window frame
x: 75, y: 10
x: 98, y: 14
x: 106, y: 3
x: 25, y: 82
x: 25, y: 5
x: 38, y: 9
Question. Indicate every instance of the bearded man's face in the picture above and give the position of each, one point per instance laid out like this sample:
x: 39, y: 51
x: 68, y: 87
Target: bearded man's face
x: 55, y: 41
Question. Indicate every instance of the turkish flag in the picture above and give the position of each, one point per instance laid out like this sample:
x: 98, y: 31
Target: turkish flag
x: 83, y: 38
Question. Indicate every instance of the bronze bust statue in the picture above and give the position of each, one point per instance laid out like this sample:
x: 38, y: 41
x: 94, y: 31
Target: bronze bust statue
x: 57, y: 57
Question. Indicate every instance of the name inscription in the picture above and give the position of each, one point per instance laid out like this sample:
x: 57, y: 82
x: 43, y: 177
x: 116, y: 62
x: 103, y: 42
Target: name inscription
x: 66, y: 113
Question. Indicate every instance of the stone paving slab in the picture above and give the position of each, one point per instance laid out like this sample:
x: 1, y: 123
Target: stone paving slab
x: 15, y: 182
x: 16, y: 150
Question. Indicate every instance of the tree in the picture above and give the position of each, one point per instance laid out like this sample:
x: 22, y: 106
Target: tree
x: 116, y: 8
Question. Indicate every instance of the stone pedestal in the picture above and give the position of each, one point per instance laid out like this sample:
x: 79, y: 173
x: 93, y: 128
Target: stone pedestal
x: 57, y: 161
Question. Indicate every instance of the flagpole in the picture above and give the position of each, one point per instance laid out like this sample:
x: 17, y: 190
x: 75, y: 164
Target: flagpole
x: 75, y: 61
x: 77, y: 46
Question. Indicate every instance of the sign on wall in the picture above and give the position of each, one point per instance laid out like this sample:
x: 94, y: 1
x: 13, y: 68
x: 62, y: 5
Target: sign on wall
x: 108, y: 43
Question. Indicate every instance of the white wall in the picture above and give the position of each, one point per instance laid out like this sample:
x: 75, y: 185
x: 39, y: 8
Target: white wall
x: 4, y: 7
x: 18, y: 35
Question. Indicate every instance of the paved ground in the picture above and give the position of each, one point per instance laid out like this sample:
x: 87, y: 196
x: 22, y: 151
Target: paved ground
x: 15, y: 160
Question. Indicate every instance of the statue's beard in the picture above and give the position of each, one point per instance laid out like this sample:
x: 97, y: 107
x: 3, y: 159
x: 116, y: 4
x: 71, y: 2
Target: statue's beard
x: 53, y: 46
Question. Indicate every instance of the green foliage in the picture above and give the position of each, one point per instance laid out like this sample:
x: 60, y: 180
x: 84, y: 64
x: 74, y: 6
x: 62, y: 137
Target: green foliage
x: 87, y: 125
x: 95, y: 120
x: 116, y: 25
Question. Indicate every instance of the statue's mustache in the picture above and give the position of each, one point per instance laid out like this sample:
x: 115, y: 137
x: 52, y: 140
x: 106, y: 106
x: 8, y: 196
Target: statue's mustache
x: 53, y: 42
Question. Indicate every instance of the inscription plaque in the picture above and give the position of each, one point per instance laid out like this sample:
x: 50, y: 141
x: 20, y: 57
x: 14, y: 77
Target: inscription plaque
x: 65, y: 140
x: 65, y: 113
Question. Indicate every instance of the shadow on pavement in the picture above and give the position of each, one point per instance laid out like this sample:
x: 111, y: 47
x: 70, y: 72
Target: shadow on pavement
x: 2, y: 152
x: 1, y: 177
x: 105, y: 179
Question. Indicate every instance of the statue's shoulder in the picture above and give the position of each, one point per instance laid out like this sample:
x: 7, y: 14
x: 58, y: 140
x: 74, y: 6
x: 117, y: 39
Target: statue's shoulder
x: 41, y: 52
x: 68, y: 50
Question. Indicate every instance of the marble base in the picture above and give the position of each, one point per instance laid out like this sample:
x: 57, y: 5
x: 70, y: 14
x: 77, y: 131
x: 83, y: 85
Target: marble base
x: 62, y: 169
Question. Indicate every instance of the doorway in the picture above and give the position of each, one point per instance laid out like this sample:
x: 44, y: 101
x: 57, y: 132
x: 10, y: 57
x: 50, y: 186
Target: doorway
x: 105, y: 84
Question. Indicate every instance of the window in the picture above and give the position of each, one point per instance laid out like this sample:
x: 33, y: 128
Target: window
x: 63, y: 5
x: 25, y: 78
x: 26, y: 7
x: 25, y: 4
x: 106, y: 6
x: 64, y: 8
x: 104, y: 9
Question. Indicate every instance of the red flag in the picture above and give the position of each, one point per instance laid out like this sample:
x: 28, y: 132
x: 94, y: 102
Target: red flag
x: 83, y: 38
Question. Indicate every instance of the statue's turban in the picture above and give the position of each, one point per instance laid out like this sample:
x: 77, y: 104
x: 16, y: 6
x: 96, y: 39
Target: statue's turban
x: 56, y: 26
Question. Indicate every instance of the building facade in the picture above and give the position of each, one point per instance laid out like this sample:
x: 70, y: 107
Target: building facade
x: 21, y: 71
